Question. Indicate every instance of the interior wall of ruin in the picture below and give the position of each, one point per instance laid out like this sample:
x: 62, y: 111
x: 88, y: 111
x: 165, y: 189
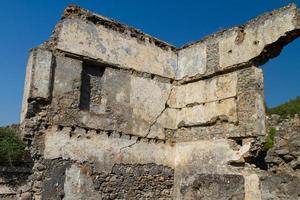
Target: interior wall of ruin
x: 111, y: 112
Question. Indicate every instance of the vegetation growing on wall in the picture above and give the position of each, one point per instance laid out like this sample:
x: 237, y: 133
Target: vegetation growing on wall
x: 270, y: 139
x: 12, y: 148
x: 288, y: 109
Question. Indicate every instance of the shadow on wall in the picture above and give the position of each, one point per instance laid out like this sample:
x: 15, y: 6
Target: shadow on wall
x: 91, y: 87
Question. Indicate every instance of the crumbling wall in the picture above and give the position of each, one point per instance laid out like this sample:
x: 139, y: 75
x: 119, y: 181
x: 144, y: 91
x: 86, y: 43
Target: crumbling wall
x: 92, y: 95
x: 112, y: 113
x: 219, y: 102
x: 12, y: 179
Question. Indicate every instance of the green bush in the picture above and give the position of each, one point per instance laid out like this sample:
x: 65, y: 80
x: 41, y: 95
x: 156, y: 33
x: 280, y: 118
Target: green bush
x: 12, y: 148
x: 270, y: 139
x: 286, y: 110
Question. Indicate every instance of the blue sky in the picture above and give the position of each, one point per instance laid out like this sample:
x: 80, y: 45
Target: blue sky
x: 27, y: 23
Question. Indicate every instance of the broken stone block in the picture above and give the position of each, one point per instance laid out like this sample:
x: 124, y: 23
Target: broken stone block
x: 242, y: 45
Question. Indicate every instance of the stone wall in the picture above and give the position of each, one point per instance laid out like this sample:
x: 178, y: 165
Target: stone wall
x: 112, y: 113
x: 283, y: 160
x: 12, y: 180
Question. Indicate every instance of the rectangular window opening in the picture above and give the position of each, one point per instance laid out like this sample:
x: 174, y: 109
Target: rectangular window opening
x: 91, y: 85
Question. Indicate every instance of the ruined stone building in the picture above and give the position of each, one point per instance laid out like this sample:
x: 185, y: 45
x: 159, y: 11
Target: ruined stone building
x: 110, y: 112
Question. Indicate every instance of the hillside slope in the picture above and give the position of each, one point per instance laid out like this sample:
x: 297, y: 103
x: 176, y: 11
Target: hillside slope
x: 288, y: 109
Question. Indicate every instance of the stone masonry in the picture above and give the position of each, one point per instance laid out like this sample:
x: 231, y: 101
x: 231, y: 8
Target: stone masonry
x: 110, y: 112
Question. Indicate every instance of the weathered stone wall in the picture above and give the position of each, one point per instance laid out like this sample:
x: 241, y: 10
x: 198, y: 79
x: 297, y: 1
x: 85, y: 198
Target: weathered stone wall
x: 11, y: 180
x: 250, y: 44
x: 102, y: 39
x: 112, y: 113
x: 283, y: 161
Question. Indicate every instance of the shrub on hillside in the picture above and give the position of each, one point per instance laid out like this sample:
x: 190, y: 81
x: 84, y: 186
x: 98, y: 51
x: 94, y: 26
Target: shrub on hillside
x: 286, y: 110
x: 12, y: 148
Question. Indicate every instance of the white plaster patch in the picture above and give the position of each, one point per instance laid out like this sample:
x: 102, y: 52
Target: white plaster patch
x: 205, y: 156
x: 191, y: 61
x: 252, y: 187
x: 78, y: 185
x: 203, y: 91
x: 147, y: 98
x: 199, y: 114
x: 105, y: 151
x: 98, y: 42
